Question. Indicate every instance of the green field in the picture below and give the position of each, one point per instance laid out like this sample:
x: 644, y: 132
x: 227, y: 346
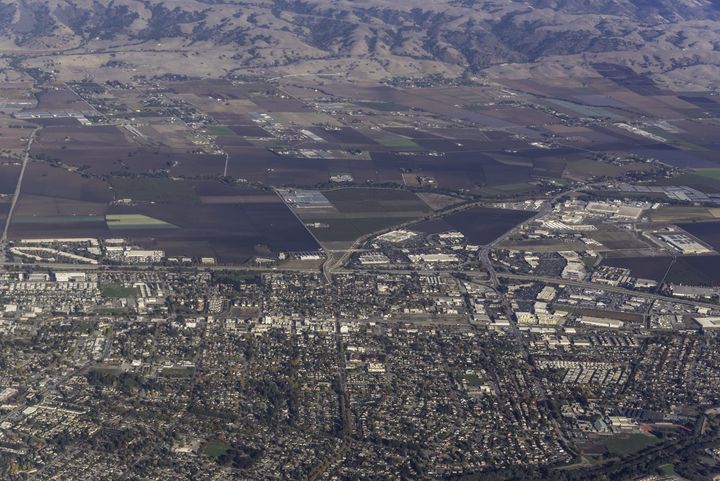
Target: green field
x: 154, y: 189
x: 367, y: 200
x: 590, y: 167
x: 673, y: 213
x: 585, y: 110
x: 84, y: 326
x: 473, y: 380
x: 112, y: 311
x: 515, y: 188
x: 363, y: 211
x: 215, y: 449
x: 713, y: 174
x: 348, y: 229
x: 399, y: 143
x: 116, y: 291
x: 701, y: 179
x: 136, y: 221
x: 383, y: 106
x: 177, y: 372
x: 626, y: 444
x: 219, y: 130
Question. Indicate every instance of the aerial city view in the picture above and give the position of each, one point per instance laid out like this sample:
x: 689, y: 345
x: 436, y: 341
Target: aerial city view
x: 332, y: 240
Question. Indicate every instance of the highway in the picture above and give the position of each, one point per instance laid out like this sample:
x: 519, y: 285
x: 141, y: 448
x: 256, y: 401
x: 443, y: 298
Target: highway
x: 604, y: 287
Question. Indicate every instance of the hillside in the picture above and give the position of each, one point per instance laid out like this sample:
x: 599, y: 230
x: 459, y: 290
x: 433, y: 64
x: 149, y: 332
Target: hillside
x: 673, y: 39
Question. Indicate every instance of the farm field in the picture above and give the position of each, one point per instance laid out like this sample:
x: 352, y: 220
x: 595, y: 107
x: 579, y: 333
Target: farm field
x: 152, y: 189
x: 361, y: 211
x: 117, y: 291
x: 708, y: 232
x: 317, y: 240
x: 230, y: 223
x: 695, y: 271
x: 692, y: 179
x: 653, y: 268
x: 203, y: 186
x: 672, y: 214
x: 135, y: 221
x: 480, y: 225
x: 625, y: 444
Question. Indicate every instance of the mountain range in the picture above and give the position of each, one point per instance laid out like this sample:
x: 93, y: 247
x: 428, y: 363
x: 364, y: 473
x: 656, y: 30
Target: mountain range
x: 675, y: 39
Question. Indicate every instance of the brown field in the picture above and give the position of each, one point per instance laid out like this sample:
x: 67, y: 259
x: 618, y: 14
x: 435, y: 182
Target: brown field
x: 29, y: 205
x: 9, y: 173
x: 212, y: 105
x: 45, y: 180
x: 60, y: 99
x: 12, y: 139
x: 223, y: 221
x: 615, y: 240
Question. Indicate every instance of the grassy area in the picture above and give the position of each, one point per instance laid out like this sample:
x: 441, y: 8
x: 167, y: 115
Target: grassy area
x: 695, y: 271
x: 305, y: 119
x: 136, y: 221
x: 672, y: 213
x: 112, y: 311
x: 219, y: 130
x: 667, y: 469
x: 585, y: 110
x: 700, y: 179
x: 367, y: 200
x: 348, y: 229
x: 514, y: 188
x: 177, y: 372
x: 589, y: 167
x: 154, y: 189
x: 116, y: 291
x: 399, y: 143
x: 708, y: 173
x: 473, y: 380
x: 215, y: 449
x: 383, y: 106
x: 626, y: 444
x: 234, y: 277
x: 84, y: 326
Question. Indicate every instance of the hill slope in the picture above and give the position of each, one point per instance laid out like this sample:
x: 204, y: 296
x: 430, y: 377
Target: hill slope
x: 412, y: 37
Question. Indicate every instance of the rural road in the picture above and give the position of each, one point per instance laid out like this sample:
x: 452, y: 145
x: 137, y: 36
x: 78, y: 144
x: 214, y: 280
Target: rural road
x: 16, y: 195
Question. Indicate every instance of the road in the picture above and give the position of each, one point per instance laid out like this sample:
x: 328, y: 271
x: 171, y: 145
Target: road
x: 227, y: 160
x: 18, y: 186
x: 332, y: 265
x: 604, y: 287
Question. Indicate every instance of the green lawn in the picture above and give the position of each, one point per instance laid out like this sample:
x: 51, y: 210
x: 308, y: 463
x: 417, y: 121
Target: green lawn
x: 116, y: 291
x: 708, y: 173
x: 383, y: 106
x: 700, y: 179
x: 473, y: 380
x: 112, y: 311
x: 626, y: 444
x: 219, y: 130
x: 136, y: 221
x: 215, y: 449
x: 677, y: 213
x: 84, y: 326
x: 400, y: 143
x: 177, y: 372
